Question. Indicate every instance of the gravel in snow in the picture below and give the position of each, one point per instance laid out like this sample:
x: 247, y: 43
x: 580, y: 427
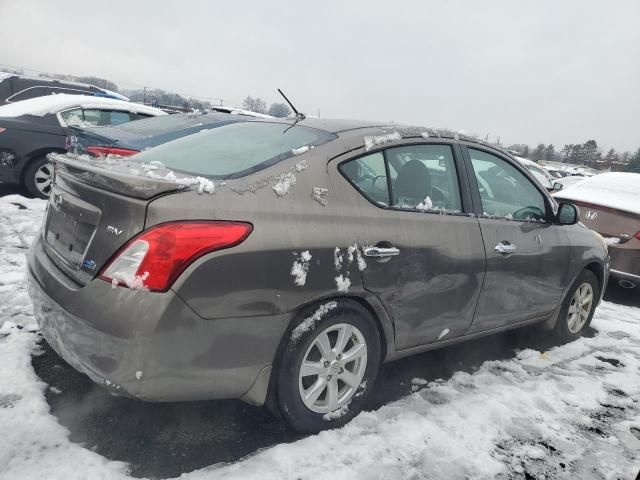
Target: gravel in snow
x: 566, y: 413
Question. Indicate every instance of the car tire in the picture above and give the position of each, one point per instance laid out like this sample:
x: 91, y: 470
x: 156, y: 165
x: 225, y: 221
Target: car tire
x: 350, y: 331
x: 575, y: 314
x: 34, y: 177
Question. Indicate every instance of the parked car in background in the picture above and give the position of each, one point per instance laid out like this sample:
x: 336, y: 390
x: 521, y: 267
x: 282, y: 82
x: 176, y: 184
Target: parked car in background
x: 545, y: 179
x: 568, y: 181
x: 610, y: 204
x: 553, y: 172
x: 31, y: 129
x: 15, y: 88
x: 130, y: 138
x: 328, y: 247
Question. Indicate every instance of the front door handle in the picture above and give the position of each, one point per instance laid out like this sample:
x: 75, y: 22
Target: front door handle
x: 381, y: 252
x: 505, y: 248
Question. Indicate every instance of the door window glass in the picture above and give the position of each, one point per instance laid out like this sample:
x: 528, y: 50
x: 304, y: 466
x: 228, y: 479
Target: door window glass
x: 73, y: 117
x: 369, y: 175
x: 505, y: 191
x: 97, y: 118
x: 118, y: 118
x: 426, y: 178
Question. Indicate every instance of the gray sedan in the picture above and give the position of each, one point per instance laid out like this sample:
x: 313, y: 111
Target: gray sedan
x: 282, y: 261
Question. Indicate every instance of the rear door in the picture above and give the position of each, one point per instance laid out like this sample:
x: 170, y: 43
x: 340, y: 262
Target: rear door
x: 424, y: 257
x: 527, y: 254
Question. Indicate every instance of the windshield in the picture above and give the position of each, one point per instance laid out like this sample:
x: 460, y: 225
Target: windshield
x: 235, y: 150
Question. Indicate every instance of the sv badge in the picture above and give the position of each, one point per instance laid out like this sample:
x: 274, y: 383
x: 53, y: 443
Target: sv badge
x: 114, y: 231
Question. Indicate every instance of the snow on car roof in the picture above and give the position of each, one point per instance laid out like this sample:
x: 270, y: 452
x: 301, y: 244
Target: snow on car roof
x: 615, y: 190
x: 41, y: 106
x: 239, y: 111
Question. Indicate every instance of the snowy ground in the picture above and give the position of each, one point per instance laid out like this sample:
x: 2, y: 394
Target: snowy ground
x: 568, y: 412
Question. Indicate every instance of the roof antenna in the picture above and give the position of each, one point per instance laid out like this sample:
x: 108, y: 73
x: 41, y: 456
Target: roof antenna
x: 299, y: 116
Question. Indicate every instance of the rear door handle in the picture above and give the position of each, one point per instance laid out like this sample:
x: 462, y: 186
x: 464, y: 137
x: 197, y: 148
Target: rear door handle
x: 505, y: 248
x: 381, y: 252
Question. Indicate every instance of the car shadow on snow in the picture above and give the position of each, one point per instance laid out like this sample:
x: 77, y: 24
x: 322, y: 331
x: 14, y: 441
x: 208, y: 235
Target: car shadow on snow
x: 161, y: 440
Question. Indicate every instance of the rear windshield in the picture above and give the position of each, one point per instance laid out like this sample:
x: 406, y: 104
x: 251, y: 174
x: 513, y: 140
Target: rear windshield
x: 234, y: 150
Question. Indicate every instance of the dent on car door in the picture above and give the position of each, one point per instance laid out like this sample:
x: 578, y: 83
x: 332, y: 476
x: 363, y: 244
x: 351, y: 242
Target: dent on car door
x: 425, y: 259
x: 527, y: 254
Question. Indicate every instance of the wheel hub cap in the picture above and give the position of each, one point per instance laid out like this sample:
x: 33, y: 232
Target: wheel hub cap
x: 580, y: 308
x: 332, y: 368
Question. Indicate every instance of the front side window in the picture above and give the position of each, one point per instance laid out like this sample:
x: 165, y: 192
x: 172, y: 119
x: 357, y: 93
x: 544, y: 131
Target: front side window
x: 421, y: 178
x: 504, y: 190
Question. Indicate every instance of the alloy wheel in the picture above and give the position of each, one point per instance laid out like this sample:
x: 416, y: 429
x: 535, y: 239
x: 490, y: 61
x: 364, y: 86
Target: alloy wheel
x: 580, y: 307
x: 42, y: 179
x: 332, y: 368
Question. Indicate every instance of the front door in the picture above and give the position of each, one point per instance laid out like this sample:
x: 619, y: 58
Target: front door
x: 425, y: 258
x: 527, y: 255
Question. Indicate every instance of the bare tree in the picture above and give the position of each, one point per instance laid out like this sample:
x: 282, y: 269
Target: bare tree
x: 256, y: 104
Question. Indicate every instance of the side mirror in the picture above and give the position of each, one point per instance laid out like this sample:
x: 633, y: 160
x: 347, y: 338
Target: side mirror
x: 568, y: 214
x: 557, y: 186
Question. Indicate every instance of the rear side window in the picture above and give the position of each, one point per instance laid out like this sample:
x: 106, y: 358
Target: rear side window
x: 235, y: 150
x: 415, y: 177
x: 368, y: 174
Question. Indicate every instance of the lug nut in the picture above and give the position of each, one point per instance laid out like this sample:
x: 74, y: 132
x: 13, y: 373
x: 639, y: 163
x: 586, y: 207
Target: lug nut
x: 328, y: 377
x: 338, y: 357
x: 326, y: 364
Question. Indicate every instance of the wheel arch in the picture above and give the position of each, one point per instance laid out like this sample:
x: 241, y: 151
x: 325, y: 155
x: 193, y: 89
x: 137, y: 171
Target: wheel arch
x: 370, y: 303
x: 35, y: 155
x: 598, y: 271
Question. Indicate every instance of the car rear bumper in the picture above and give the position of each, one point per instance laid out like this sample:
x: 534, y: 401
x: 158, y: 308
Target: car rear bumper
x: 151, y: 345
x: 630, y: 277
x: 625, y: 263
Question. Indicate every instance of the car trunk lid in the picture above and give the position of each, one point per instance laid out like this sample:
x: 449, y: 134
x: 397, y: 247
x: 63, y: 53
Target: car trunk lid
x: 609, y: 222
x: 92, y: 212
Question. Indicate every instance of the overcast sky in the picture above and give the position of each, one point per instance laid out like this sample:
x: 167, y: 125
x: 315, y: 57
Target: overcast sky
x: 537, y: 71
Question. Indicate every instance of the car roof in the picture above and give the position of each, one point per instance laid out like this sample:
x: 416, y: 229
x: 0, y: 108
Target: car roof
x: 51, y: 104
x: 354, y: 128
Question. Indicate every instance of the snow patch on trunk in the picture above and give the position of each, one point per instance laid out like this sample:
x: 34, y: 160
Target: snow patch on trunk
x: 285, y: 182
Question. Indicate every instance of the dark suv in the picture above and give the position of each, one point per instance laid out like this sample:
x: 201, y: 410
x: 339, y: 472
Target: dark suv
x: 14, y: 88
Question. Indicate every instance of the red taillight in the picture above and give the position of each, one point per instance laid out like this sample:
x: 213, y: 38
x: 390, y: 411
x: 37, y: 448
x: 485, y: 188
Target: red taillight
x: 638, y: 235
x: 2, y: 129
x: 154, y: 259
x: 104, y: 151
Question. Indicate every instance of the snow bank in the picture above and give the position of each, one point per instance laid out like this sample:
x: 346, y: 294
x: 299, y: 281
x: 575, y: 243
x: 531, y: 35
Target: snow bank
x: 41, y: 106
x: 565, y: 413
x: 615, y: 190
